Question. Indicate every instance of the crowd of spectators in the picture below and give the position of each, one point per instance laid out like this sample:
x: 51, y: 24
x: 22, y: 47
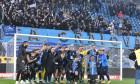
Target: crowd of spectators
x: 72, y: 15
x: 121, y: 10
x: 125, y: 8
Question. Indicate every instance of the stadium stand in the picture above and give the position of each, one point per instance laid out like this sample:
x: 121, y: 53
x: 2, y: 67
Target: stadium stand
x: 74, y: 15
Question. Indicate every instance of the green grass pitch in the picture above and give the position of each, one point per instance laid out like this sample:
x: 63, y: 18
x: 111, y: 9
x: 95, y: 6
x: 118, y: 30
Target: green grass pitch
x: 124, y: 81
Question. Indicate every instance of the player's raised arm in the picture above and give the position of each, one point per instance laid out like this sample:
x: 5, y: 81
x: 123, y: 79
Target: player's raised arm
x: 57, y: 46
x: 44, y: 42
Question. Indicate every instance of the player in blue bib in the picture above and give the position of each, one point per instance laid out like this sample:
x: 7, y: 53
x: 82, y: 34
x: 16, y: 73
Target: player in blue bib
x: 92, y: 71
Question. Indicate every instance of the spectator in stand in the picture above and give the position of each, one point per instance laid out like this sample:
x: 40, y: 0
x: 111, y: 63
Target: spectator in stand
x: 137, y: 34
x: 116, y: 27
x: 138, y: 13
x: 111, y: 29
x: 66, y: 15
x: 128, y: 25
x: 100, y: 17
x: 125, y: 33
x: 106, y: 19
x: 96, y: 5
x: 0, y: 12
x: 89, y: 29
x: 120, y: 14
x: 126, y: 8
x: 131, y: 33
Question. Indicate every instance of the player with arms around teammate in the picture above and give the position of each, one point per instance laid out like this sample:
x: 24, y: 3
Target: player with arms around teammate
x: 92, y: 71
x: 74, y: 67
x: 21, y: 59
x: 31, y: 59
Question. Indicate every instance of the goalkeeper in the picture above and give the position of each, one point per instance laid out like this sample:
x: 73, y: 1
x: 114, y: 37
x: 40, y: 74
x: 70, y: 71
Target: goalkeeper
x: 83, y: 62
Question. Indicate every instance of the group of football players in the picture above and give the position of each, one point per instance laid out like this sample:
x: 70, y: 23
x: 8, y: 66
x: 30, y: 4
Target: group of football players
x: 60, y: 62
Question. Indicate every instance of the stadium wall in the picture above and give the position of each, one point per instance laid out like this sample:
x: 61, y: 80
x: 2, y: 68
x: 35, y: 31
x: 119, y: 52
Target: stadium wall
x: 7, y: 33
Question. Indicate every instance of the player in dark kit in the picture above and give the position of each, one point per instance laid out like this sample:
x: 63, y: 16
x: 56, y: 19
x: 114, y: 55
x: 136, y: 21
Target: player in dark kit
x: 49, y: 65
x: 70, y: 56
x: 80, y: 57
x: 35, y: 68
x: 60, y: 64
x: 31, y: 59
x: 71, y: 53
x: 21, y: 59
x: 41, y: 63
x: 61, y: 50
x: 74, y: 67
x: 92, y: 71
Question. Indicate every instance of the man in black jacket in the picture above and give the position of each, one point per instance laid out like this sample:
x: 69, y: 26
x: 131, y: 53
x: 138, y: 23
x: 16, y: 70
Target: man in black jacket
x: 61, y: 50
x: 74, y: 67
x: 60, y: 64
x: 135, y: 56
x: 21, y: 59
x: 71, y: 53
x: 49, y: 65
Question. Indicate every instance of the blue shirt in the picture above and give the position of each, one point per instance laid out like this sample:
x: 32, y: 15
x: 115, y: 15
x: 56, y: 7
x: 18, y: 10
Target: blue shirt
x: 80, y: 58
x: 92, y: 67
x: 100, y: 59
x: 93, y: 53
x: 41, y: 53
x: 74, y: 67
x: 103, y: 60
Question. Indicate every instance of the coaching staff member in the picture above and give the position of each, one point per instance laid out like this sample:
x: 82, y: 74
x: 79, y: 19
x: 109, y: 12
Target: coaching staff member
x: 21, y: 59
x: 135, y: 56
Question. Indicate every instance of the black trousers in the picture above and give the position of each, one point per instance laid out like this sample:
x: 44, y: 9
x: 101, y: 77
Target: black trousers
x: 74, y: 77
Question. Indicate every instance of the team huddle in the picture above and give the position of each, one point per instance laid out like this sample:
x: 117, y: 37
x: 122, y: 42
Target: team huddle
x: 41, y: 65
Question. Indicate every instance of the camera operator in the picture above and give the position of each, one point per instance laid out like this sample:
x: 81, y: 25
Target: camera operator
x: 135, y: 56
